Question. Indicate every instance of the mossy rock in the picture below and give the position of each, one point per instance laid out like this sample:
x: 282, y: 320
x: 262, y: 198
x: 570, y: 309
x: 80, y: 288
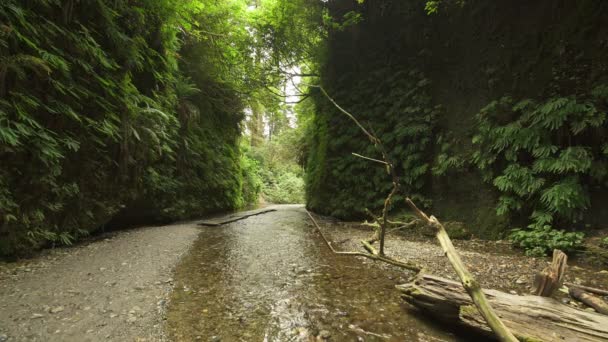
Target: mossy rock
x: 457, y: 230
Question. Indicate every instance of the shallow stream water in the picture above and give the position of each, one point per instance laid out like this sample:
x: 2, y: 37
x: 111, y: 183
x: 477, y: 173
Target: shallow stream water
x: 271, y: 278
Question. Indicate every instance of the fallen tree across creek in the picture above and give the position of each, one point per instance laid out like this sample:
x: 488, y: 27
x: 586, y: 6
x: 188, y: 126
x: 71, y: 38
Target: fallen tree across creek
x: 529, y: 318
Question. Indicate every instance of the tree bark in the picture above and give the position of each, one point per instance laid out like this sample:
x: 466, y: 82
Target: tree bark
x: 550, y: 279
x: 530, y: 318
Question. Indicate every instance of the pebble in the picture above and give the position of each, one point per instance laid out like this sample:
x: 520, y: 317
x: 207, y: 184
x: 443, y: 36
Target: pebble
x: 37, y: 315
x: 521, y: 280
x: 57, y: 309
x: 324, y: 334
x: 131, y: 319
x: 3, y: 337
x: 215, y: 339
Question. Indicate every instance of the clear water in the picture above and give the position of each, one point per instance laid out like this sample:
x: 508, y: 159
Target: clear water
x: 271, y: 278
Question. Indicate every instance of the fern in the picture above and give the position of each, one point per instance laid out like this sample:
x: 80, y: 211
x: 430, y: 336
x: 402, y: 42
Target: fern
x: 541, y: 159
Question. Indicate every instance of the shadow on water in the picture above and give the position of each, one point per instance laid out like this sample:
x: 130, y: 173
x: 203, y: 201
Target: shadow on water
x: 271, y: 278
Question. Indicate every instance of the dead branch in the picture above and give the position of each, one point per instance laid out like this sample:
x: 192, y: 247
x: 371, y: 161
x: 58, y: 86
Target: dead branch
x: 389, y: 166
x: 468, y: 281
x: 368, y: 158
x: 368, y: 246
x: 408, y: 225
x: 377, y: 257
x: 376, y: 226
x: 371, y: 137
x: 593, y: 301
x: 588, y: 289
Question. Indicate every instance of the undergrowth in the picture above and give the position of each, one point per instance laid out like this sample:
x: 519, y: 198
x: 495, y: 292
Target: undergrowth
x: 543, y: 157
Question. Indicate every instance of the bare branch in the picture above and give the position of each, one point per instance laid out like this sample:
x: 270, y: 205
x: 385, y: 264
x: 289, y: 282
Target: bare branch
x: 406, y: 265
x: 370, y: 159
x: 371, y: 137
x: 468, y: 281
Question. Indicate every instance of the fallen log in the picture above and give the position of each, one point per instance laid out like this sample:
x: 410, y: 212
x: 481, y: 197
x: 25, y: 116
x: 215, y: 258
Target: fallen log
x: 529, y: 318
x: 593, y: 301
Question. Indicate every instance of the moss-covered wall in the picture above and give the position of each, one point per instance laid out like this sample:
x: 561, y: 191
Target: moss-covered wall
x: 400, y: 69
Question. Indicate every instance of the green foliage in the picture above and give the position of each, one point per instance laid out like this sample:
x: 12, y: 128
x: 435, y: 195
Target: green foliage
x: 543, y: 157
x: 103, y: 108
x: 540, y: 241
x: 433, y: 6
x: 286, y: 187
x: 403, y: 117
x: 604, y: 242
x: 280, y: 161
x: 251, y: 174
x: 446, y: 160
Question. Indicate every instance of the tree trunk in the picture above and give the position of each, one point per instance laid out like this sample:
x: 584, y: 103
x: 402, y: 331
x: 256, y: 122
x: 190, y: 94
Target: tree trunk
x: 530, y: 318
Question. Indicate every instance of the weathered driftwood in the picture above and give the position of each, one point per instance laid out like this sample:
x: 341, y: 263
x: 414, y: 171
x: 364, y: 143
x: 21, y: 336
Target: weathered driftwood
x: 550, y: 279
x: 469, y: 282
x: 597, y: 291
x: 530, y: 318
x: 593, y: 301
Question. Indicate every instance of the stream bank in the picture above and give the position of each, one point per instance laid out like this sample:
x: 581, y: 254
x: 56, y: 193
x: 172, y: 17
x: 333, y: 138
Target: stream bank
x: 268, y: 277
x: 495, y: 264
